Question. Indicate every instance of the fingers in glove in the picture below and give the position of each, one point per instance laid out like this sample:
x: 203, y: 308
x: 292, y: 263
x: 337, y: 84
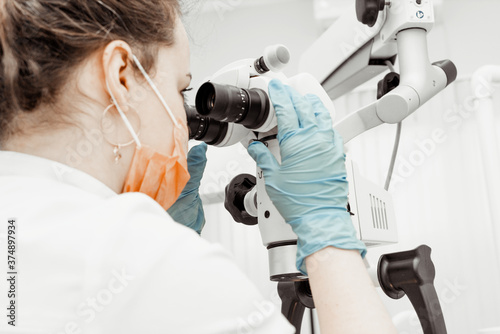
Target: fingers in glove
x: 263, y: 157
x: 303, y: 108
x: 323, y: 117
x: 338, y: 141
x: 197, y: 161
x: 285, y: 112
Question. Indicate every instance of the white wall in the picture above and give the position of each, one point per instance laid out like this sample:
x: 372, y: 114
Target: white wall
x: 225, y: 31
x: 438, y: 203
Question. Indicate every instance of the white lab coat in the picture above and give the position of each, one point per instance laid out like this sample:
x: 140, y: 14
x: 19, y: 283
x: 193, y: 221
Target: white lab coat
x: 92, y: 261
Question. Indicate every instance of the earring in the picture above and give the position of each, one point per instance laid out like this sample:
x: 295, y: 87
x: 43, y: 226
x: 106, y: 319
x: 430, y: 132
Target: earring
x: 118, y: 156
x: 108, y: 126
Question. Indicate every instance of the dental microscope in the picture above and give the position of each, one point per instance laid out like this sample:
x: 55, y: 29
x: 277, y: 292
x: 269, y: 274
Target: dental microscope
x: 233, y: 107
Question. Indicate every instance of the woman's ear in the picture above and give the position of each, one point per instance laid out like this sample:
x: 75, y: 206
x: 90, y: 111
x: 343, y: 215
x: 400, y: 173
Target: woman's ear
x: 118, y: 71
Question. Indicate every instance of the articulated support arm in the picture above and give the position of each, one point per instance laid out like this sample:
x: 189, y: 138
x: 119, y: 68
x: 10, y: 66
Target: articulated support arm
x: 420, y: 81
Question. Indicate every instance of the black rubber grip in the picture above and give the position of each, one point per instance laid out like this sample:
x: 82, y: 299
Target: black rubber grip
x: 449, y: 69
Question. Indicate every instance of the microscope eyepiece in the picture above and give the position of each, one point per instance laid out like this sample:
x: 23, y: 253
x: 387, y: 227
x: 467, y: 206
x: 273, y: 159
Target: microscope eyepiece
x: 211, y: 102
x: 205, y: 128
x: 225, y: 103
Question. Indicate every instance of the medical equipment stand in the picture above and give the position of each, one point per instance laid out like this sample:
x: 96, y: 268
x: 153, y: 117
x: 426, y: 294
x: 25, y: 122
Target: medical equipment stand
x: 396, y: 27
x: 408, y: 272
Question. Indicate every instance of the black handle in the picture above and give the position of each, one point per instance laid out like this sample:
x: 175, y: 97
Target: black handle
x: 295, y: 297
x: 388, y: 83
x: 412, y: 273
x: 449, y: 69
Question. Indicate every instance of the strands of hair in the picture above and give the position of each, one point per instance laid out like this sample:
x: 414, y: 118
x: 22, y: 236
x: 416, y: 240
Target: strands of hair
x: 43, y: 41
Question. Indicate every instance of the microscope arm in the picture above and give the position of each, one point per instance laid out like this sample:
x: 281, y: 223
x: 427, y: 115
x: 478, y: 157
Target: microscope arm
x: 350, y: 53
x: 420, y: 81
x: 358, y: 122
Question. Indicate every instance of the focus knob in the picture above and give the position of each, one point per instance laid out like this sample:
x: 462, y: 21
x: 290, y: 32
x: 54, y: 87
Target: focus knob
x: 367, y: 11
x: 234, y: 202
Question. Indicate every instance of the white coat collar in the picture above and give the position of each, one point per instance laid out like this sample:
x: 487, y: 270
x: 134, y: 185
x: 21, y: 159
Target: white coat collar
x: 20, y: 164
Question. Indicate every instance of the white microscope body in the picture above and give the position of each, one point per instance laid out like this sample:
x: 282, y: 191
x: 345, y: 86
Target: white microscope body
x: 346, y: 55
x: 371, y: 206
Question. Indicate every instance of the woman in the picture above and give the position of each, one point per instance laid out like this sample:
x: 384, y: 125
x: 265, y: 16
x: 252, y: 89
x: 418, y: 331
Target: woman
x: 94, y: 140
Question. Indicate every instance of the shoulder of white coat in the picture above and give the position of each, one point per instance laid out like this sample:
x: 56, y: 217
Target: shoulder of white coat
x: 139, y: 232
x: 138, y: 209
x: 169, y: 267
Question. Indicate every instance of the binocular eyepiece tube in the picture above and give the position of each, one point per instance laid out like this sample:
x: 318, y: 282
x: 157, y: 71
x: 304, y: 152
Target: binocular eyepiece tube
x: 205, y: 128
x: 217, y: 105
x: 225, y: 103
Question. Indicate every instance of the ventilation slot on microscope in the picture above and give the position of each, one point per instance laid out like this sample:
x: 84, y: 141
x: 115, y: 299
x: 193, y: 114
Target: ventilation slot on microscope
x: 379, y: 213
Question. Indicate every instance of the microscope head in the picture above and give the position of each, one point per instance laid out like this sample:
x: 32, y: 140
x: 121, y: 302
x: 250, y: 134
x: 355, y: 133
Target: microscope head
x: 234, y: 106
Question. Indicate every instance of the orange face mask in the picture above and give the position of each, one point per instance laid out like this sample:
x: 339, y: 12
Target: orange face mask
x: 159, y: 176
x: 162, y: 177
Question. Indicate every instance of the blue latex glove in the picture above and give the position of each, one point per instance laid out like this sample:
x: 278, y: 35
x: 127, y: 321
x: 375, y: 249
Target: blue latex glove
x: 188, y: 209
x: 309, y: 187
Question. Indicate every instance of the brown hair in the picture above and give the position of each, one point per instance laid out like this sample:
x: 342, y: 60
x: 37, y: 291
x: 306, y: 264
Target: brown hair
x: 43, y: 41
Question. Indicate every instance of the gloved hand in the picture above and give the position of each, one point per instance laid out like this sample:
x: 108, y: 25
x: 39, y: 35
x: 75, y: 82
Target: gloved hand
x: 188, y: 209
x: 309, y: 187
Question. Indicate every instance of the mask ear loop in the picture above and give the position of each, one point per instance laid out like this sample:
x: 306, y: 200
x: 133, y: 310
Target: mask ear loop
x: 155, y: 89
x: 124, y: 118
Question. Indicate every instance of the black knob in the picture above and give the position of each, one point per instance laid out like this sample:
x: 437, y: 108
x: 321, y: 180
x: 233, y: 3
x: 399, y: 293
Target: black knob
x: 388, y: 83
x: 412, y: 273
x: 234, y: 202
x: 367, y: 11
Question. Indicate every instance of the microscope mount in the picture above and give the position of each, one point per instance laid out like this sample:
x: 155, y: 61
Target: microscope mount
x: 348, y: 54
